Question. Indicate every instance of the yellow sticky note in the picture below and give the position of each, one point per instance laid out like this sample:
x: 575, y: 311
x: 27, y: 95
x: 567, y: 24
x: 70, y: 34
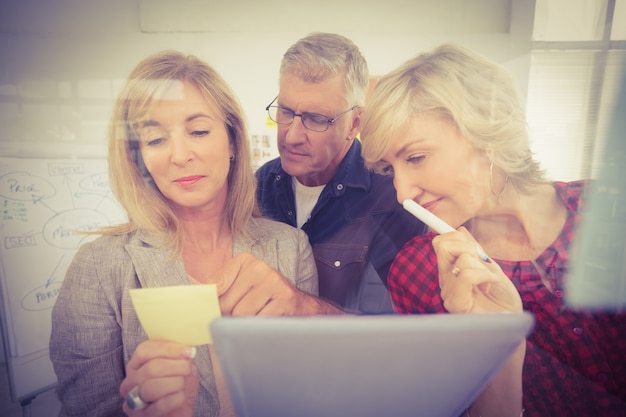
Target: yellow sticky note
x: 178, y: 313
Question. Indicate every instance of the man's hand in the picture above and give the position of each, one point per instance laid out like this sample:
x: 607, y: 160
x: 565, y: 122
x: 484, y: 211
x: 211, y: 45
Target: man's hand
x: 247, y: 286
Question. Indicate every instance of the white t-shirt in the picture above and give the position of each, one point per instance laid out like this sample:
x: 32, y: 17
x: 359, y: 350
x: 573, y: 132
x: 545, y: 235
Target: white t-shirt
x: 306, y: 198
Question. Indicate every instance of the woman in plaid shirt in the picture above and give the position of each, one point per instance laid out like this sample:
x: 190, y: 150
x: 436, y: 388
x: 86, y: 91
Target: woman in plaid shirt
x: 450, y: 127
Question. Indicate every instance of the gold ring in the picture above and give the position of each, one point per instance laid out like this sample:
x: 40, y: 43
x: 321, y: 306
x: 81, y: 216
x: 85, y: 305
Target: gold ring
x: 456, y: 271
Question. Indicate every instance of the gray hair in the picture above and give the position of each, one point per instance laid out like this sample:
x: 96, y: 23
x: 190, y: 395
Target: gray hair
x: 320, y: 56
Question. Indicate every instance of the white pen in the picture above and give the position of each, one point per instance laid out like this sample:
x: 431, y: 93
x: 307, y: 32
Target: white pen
x: 435, y: 222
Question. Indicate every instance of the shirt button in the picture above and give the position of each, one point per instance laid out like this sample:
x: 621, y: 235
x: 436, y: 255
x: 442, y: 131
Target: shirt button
x: 577, y: 331
x: 278, y: 177
x: 558, y: 293
x: 337, y: 264
x: 340, y: 187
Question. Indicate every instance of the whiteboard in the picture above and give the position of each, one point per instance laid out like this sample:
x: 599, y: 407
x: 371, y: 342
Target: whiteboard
x: 44, y: 204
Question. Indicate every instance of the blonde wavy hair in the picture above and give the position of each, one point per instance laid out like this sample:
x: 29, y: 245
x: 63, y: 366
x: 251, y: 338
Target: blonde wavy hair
x: 476, y: 94
x: 131, y: 183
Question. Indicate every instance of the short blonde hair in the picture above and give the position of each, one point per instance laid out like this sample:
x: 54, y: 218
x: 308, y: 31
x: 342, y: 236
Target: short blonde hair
x: 131, y: 183
x: 476, y: 94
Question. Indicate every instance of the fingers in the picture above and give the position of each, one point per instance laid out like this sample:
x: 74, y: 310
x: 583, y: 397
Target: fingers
x: 478, y: 290
x: 248, y: 286
x: 177, y: 403
x: 458, y: 278
x: 244, y: 300
x: 163, y: 377
x: 159, y: 396
x: 239, y: 285
x: 463, y: 293
x: 151, y: 349
x: 468, y: 282
x: 458, y: 250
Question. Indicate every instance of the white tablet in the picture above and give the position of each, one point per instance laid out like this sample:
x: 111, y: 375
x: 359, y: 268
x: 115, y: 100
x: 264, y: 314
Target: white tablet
x: 391, y: 365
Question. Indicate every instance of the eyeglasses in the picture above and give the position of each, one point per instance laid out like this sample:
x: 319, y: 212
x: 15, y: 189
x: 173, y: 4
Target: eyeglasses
x: 312, y: 121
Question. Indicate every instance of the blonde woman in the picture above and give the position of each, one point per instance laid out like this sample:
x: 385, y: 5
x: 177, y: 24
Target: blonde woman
x: 450, y: 127
x: 179, y: 165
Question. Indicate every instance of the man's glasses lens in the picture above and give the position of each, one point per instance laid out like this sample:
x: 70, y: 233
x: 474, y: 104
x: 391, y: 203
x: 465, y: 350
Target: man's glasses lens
x: 282, y: 116
x: 311, y: 121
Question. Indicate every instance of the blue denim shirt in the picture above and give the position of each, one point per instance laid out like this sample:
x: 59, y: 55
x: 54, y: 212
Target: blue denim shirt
x: 356, y: 229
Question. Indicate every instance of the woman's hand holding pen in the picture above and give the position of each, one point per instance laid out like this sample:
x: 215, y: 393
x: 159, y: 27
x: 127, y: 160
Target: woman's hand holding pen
x: 468, y: 282
x: 161, y: 380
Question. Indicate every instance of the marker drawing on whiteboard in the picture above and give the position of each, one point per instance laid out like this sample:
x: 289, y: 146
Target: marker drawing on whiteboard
x: 435, y: 222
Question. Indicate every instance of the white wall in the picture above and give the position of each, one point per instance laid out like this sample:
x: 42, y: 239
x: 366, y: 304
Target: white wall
x: 62, y: 60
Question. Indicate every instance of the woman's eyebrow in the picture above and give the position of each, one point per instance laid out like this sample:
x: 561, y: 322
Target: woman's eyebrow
x: 146, y: 123
x: 151, y: 123
x: 404, y: 148
x: 198, y: 115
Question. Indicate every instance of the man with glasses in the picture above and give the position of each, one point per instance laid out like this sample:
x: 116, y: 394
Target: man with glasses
x: 320, y: 183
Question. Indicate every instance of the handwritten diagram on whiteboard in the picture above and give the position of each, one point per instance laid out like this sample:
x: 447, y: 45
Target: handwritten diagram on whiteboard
x: 44, y: 206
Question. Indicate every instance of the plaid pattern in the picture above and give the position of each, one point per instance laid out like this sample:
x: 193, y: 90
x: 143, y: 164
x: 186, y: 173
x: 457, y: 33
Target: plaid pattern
x: 575, y: 361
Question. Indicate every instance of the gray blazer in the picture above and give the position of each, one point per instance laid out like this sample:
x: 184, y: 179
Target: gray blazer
x: 95, y: 329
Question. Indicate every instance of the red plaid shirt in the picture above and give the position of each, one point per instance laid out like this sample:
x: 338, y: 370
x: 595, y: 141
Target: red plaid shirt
x: 575, y: 362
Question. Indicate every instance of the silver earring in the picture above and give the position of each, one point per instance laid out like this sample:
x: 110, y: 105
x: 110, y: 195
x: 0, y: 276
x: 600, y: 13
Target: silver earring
x: 498, y: 196
x: 232, y: 157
